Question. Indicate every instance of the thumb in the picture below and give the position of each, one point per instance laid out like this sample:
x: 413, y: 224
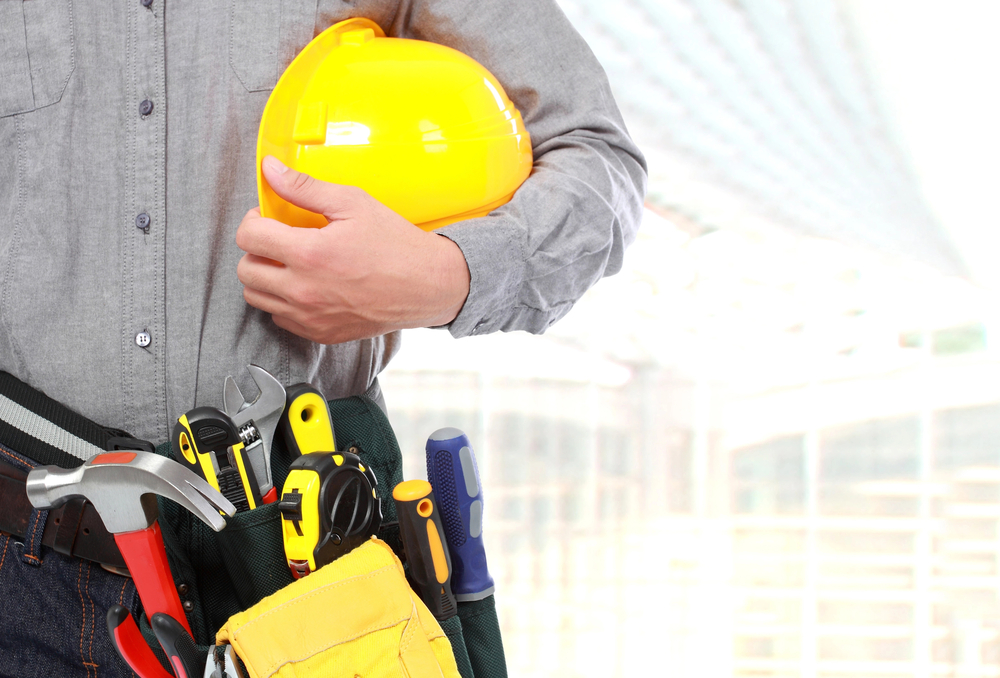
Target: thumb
x: 300, y: 189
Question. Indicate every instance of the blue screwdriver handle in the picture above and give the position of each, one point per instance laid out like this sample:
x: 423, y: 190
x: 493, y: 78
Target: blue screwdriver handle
x: 454, y: 475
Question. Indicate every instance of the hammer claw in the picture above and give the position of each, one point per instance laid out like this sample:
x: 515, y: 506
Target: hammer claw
x: 210, y: 503
x: 122, y: 485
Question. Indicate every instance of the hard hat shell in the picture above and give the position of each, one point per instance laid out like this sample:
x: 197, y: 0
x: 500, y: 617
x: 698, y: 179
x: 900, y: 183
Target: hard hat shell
x: 423, y: 128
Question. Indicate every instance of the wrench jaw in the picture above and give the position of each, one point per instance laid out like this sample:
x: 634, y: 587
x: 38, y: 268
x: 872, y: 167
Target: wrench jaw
x: 262, y: 414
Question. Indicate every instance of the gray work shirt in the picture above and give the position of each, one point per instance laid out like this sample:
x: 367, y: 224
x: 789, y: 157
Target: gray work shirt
x: 128, y: 136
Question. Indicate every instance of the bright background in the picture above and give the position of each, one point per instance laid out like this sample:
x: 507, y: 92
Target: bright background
x: 770, y: 446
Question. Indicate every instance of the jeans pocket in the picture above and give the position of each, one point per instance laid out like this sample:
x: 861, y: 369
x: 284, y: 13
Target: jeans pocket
x: 36, y: 53
x: 264, y: 37
x: 53, y: 620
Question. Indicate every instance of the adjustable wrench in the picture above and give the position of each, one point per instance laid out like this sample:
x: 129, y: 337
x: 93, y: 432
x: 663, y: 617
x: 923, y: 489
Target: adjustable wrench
x: 256, y: 422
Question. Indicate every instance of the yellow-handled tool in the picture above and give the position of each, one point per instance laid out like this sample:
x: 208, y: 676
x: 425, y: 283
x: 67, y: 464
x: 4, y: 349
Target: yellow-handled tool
x: 205, y: 440
x: 423, y: 541
x: 328, y: 506
x: 306, y: 422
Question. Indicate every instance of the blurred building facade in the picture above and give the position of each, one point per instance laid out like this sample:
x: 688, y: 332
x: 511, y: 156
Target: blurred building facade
x: 673, y: 527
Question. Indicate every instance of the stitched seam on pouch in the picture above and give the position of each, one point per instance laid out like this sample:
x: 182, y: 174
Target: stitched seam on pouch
x: 407, y: 638
x: 311, y: 594
x: 271, y: 670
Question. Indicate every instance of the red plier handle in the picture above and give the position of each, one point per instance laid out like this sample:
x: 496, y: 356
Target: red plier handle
x: 132, y: 646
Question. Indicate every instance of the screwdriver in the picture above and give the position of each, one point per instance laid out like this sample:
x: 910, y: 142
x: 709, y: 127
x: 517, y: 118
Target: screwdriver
x: 426, y: 553
x: 454, y: 475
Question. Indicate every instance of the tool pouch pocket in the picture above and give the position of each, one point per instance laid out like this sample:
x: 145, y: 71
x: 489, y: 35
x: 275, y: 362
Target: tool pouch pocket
x: 355, y: 616
x: 252, y: 531
x: 223, y: 573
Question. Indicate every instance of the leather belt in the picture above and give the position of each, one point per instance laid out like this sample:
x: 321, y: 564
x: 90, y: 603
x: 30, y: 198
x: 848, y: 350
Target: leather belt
x: 73, y: 529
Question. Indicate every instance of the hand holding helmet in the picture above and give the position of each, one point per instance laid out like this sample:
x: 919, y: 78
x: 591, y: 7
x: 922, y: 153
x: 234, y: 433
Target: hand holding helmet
x: 377, y: 134
x: 368, y: 272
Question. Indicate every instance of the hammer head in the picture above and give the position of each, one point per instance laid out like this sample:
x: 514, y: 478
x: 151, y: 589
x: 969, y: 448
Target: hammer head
x: 123, y: 487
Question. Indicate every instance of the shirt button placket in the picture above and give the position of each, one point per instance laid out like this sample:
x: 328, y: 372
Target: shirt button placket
x: 144, y: 268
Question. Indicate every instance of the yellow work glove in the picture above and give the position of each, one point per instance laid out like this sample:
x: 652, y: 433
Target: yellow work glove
x: 356, y: 616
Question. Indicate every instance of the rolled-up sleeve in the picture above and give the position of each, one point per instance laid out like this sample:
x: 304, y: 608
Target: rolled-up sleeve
x: 568, y: 225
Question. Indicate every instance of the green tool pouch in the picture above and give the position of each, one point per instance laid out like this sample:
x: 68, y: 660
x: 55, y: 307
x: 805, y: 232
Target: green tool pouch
x: 220, y: 574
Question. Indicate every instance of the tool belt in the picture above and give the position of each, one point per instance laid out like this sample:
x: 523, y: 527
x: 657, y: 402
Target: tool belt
x: 49, y: 433
x: 73, y: 529
x: 220, y: 574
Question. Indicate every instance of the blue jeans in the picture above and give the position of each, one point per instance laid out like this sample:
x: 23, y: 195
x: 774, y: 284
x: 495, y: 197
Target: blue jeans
x: 53, y: 608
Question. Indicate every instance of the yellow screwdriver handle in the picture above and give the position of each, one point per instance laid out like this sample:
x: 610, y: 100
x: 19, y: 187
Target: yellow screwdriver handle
x: 306, y: 422
x: 423, y: 541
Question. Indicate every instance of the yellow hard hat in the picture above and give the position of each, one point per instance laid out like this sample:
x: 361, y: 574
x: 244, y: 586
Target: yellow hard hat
x: 423, y: 128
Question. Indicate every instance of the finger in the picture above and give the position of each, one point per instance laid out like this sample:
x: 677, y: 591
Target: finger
x: 289, y: 325
x: 305, y: 191
x: 263, y: 275
x: 268, y: 238
x: 269, y: 303
x: 337, y: 335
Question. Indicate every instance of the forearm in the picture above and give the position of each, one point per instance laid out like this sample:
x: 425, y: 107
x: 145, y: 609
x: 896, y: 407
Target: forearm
x: 566, y: 227
x: 569, y: 223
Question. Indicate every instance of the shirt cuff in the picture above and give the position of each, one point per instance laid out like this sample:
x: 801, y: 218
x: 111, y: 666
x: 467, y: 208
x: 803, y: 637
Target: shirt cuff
x: 493, y: 247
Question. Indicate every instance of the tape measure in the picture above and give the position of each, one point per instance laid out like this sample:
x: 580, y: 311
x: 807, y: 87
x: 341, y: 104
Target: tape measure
x: 329, y: 506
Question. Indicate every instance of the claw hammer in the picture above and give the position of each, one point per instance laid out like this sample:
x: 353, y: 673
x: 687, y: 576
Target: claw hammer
x: 123, y: 487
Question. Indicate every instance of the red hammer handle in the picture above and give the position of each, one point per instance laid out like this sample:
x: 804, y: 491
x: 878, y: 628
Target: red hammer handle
x: 146, y: 558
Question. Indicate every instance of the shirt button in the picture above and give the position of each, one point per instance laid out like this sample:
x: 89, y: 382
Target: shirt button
x: 142, y: 221
x: 142, y: 340
x: 145, y: 108
x: 146, y: 3
x: 188, y: 606
x: 182, y: 588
